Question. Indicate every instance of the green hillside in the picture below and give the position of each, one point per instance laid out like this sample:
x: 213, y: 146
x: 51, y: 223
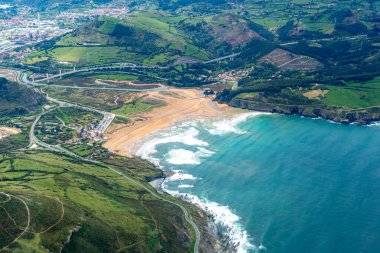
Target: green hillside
x: 62, y: 204
x: 142, y: 40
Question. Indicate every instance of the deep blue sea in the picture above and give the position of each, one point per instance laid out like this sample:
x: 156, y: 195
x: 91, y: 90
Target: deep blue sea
x: 276, y: 183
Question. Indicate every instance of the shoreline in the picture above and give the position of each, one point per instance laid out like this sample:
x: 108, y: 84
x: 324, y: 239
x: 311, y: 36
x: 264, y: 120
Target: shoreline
x: 128, y: 139
x: 217, y: 237
x: 345, y: 116
x: 179, y: 105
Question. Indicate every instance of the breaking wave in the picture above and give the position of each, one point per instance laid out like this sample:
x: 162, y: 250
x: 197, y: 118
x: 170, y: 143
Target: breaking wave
x: 225, y: 218
x: 375, y: 124
x: 184, y: 156
x: 179, y: 175
x: 187, y: 134
x: 226, y: 126
x: 176, y: 135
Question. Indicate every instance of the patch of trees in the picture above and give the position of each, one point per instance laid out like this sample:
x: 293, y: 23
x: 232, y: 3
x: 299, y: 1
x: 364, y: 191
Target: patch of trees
x: 340, y: 16
x: 284, y: 31
x: 256, y: 49
x: 261, y: 30
x: 344, y: 60
x: 203, y: 39
x: 274, y: 85
x: 17, y: 100
x: 290, y: 32
x: 352, y: 29
x: 264, y: 70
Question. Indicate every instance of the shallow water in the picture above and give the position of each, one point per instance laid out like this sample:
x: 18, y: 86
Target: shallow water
x: 279, y: 184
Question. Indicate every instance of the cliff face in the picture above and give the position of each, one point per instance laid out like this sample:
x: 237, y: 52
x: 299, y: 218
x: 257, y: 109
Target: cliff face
x: 16, y: 99
x: 336, y: 114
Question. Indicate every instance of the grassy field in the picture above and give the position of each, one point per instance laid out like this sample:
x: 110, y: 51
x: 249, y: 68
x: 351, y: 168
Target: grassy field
x: 104, y: 100
x: 92, y: 55
x: 70, y: 198
x: 133, y: 108
x: 355, y: 95
x: 163, y: 25
x: 115, y: 76
x: 246, y: 95
x: 71, y: 115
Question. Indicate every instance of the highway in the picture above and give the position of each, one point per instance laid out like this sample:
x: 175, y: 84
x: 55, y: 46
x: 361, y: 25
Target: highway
x: 99, y: 68
x: 108, y: 117
x: 325, y: 39
x: 23, y: 77
x: 222, y: 58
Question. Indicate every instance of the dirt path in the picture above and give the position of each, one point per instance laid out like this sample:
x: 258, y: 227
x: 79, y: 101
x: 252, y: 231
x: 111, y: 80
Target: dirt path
x: 28, y: 221
x: 60, y: 218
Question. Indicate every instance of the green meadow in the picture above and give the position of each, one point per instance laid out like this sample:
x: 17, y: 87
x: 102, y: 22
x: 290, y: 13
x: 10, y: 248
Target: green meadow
x: 69, y: 201
x: 355, y: 95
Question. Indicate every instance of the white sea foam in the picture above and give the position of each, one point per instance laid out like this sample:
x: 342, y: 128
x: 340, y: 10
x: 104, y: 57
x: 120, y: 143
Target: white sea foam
x: 176, y: 135
x: 375, y: 124
x: 187, y: 134
x: 225, y: 218
x: 184, y: 156
x: 226, y: 126
x: 180, y: 176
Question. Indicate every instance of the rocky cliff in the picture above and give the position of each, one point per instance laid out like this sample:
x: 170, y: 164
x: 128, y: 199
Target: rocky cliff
x: 336, y: 114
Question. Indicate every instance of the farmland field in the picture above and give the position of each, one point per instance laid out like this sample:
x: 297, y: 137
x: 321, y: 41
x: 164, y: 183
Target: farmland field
x: 355, y: 95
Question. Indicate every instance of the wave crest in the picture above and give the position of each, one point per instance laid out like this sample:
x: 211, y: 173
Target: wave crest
x: 226, y: 126
x: 176, y: 135
x: 184, y: 156
x: 225, y: 218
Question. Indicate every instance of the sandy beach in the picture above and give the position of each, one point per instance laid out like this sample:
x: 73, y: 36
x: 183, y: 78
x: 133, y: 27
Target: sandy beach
x: 179, y: 105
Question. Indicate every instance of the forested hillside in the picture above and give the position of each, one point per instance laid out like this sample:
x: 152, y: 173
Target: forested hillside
x: 16, y: 99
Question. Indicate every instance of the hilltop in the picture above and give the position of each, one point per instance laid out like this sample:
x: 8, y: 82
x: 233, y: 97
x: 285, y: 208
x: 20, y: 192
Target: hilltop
x: 148, y: 38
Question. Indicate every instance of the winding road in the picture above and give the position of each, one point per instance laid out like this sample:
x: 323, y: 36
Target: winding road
x: 34, y: 140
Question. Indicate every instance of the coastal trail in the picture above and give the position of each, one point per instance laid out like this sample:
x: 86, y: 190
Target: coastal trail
x: 28, y: 220
x: 58, y: 149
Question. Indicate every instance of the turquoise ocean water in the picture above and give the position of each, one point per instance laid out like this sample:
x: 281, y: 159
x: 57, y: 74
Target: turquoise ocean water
x: 280, y: 184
